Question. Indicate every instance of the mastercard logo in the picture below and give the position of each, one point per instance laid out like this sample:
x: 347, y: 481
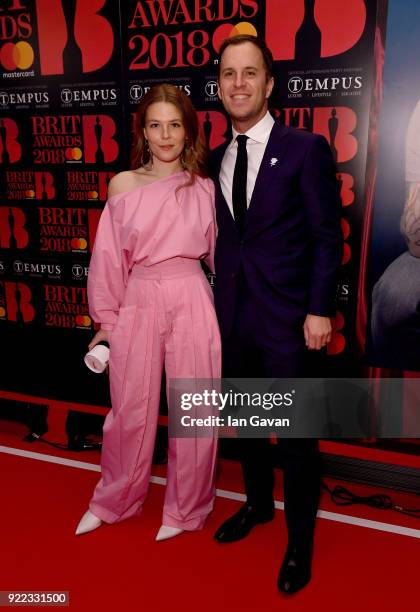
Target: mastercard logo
x: 73, y: 154
x: 30, y: 193
x: 79, y: 244
x: 2, y: 312
x: 83, y: 321
x: 17, y: 55
x: 227, y: 30
x: 93, y: 195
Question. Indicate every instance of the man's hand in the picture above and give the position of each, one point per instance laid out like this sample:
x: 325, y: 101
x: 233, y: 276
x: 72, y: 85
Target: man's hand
x: 317, y: 331
x: 101, y: 336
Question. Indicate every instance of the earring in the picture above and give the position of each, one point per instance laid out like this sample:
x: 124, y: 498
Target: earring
x: 186, y: 153
x: 146, y: 155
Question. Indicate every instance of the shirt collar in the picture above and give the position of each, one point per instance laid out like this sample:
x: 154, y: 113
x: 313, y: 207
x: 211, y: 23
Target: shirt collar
x: 259, y: 132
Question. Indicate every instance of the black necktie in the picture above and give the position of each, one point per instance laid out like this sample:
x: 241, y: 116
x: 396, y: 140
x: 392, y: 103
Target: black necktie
x: 239, y: 182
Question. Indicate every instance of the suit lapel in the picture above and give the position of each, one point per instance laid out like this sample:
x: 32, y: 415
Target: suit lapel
x: 272, y: 159
x: 275, y: 150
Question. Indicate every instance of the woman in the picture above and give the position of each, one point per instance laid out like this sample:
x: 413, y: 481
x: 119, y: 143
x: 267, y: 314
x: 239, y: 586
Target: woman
x: 147, y: 289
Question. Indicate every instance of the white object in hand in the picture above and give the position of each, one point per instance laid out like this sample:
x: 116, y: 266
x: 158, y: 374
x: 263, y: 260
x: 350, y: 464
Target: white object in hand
x: 97, y: 359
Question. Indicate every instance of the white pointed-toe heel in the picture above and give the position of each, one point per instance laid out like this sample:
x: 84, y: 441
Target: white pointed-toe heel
x: 165, y: 533
x: 88, y: 522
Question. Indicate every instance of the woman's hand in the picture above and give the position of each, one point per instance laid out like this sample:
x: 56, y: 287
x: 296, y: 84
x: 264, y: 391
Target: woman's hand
x: 102, y: 335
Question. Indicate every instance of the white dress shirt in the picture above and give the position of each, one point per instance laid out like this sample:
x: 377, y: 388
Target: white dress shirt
x: 258, y: 137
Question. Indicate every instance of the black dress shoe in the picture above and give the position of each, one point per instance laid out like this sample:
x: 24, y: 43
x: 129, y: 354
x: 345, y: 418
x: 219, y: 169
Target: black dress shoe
x: 295, y: 571
x: 240, y: 524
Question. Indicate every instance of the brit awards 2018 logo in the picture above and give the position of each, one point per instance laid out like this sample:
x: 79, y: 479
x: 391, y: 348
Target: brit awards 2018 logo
x: 179, y: 34
x: 63, y: 230
x: 13, y: 231
x: 29, y: 185
x: 66, y: 307
x: 60, y: 139
x: 87, y: 185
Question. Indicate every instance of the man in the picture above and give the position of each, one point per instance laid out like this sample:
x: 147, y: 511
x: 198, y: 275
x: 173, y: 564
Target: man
x: 277, y: 255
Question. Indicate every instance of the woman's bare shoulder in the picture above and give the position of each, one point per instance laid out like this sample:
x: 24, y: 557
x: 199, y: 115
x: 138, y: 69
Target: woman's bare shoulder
x: 125, y: 181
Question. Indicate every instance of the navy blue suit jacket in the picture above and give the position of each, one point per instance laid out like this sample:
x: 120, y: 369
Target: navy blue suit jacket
x: 291, y: 245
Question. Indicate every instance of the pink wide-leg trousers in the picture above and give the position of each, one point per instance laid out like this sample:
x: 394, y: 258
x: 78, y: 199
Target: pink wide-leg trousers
x: 167, y: 319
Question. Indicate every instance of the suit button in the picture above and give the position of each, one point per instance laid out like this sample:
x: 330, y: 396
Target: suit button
x: 233, y: 274
x: 242, y: 242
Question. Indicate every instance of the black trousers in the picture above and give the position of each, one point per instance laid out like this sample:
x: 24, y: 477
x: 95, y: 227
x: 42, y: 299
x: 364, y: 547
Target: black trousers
x: 248, y: 354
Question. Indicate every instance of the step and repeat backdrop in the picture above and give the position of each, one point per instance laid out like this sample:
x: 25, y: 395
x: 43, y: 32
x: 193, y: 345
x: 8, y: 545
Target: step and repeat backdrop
x: 72, y: 73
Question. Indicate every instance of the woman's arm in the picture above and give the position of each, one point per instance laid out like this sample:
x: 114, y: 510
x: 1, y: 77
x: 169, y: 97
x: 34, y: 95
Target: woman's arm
x: 108, y: 269
x: 211, y: 233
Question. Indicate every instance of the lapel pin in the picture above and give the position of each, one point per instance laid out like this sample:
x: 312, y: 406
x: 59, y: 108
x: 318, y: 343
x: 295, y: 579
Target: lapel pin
x: 273, y: 161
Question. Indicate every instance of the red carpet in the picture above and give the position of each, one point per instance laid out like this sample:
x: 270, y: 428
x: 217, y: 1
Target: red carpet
x: 122, y: 567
